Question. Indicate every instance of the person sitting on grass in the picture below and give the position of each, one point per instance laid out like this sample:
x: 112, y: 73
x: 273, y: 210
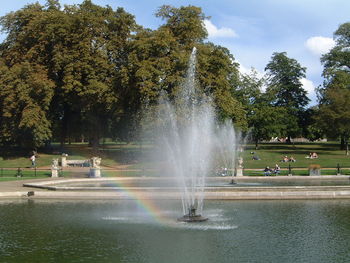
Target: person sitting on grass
x: 314, y: 155
x: 285, y: 159
x: 277, y: 169
x: 267, y: 171
x: 291, y: 159
x: 256, y: 157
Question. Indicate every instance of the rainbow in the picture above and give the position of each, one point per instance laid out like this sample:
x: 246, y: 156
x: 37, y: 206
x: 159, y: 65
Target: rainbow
x: 143, y: 201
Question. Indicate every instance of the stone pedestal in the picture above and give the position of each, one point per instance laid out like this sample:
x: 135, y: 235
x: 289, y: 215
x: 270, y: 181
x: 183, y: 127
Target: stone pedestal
x: 54, y: 172
x: 54, y: 168
x: 240, y: 167
x: 95, y: 169
x: 239, y: 172
x: 314, y: 170
x: 95, y: 172
x: 64, y: 160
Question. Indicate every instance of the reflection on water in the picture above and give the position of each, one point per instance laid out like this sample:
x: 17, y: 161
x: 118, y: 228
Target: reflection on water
x: 129, y: 231
x: 218, y: 221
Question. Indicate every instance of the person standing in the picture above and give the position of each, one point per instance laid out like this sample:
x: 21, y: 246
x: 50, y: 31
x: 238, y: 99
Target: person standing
x: 32, y: 158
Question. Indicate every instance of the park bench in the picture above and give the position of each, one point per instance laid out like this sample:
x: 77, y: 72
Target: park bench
x: 74, y: 163
x: 78, y: 163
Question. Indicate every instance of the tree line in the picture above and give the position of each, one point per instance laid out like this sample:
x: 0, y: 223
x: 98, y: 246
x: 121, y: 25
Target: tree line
x: 84, y: 72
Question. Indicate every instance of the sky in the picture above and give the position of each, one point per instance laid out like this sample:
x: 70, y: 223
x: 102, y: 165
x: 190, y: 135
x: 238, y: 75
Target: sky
x: 251, y: 29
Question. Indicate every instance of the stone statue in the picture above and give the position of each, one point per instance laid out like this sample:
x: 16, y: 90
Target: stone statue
x: 240, y: 167
x: 95, y: 162
x: 64, y: 160
x: 54, y: 168
x: 240, y: 162
x: 95, y: 167
x: 54, y: 164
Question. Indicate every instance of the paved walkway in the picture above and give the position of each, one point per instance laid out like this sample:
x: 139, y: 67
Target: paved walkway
x: 15, y: 189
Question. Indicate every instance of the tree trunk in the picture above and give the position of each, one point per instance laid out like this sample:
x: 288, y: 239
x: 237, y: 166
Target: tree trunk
x: 342, y: 143
x: 256, y: 144
x: 95, y: 133
x: 65, y: 125
x: 95, y: 143
x: 64, y: 130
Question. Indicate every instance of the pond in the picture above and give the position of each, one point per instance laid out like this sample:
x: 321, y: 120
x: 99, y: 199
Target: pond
x: 147, y: 231
x: 210, y: 182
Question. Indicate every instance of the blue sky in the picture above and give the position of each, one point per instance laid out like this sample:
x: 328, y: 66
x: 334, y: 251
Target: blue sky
x: 251, y: 29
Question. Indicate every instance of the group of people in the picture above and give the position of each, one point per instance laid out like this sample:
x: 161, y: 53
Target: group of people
x: 285, y: 159
x: 268, y: 171
x: 312, y: 155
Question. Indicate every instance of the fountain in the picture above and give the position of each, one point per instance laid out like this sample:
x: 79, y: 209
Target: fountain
x: 190, y: 136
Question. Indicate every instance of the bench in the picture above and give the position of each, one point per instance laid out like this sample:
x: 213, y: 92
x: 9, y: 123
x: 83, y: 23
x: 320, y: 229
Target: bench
x: 78, y: 163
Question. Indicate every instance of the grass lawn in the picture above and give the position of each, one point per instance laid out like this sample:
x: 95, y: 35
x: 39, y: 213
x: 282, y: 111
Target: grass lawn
x: 3, y: 179
x: 299, y: 172
x: 270, y: 154
x: 13, y: 174
x: 136, y: 156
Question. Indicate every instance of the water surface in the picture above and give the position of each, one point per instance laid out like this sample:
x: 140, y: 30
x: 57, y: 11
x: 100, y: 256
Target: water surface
x: 129, y: 231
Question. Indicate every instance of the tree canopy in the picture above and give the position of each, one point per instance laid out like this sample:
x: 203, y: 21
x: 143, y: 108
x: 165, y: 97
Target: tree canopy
x: 334, y: 112
x: 95, y: 68
x: 285, y: 89
x: 83, y: 72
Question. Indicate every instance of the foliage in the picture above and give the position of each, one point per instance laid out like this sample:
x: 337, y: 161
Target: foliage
x: 284, y: 81
x: 334, y: 113
x: 284, y: 76
x: 25, y: 95
x: 185, y: 23
x: 80, y: 48
x: 157, y: 63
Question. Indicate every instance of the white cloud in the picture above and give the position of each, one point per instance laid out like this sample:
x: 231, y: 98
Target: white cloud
x: 248, y: 71
x: 308, y: 85
x: 213, y: 31
x: 319, y: 45
x: 245, y: 70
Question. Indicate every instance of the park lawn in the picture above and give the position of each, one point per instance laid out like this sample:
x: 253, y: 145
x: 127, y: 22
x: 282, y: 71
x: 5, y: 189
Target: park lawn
x: 299, y: 172
x: 24, y: 173
x: 137, y: 156
x: 24, y: 162
x: 272, y: 153
x: 3, y: 179
x: 12, y: 175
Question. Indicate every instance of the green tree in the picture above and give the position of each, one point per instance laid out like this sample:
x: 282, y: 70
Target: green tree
x: 284, y: 76
x: 334, y: 116
x: 158, y: 59
x: 264, y: 119
x: 25, y: 96
x: 185, y: 23
x: 333, y: 97
x: 284, y: 81
x: 82, y: 47
x: 218, y: 77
